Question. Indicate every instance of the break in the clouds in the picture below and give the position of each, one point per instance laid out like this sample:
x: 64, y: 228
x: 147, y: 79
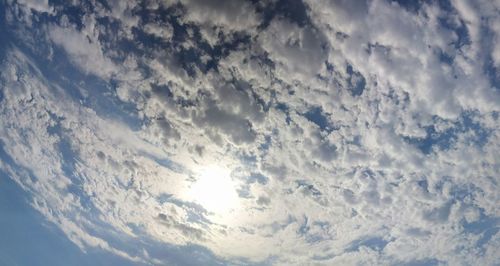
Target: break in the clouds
x: 255, y: 132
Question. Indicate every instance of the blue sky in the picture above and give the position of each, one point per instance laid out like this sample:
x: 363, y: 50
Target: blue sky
x: 249, y: 132
x: 27, y: 239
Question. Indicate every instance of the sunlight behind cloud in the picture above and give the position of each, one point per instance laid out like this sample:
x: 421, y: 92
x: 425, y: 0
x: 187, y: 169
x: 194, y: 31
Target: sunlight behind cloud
x: 214, y: 190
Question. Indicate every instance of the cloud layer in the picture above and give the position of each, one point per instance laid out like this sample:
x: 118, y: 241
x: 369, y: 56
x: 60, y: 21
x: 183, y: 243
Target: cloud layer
x: 355, y: 132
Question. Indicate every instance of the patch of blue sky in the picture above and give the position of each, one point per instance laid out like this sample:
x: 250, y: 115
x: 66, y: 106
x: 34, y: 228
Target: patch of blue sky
x: 250, y: 160
x: 486, y: 226
x: 424, y: 185
x: 310, y: 188
x: 448, y: 22
x: 357, y: 82
x: 445, y: 58
x: 166, y: 162
x: 293, y: 10
x: 317, y: 116
x: 439, y: 214
x: 266, y: 144
x: 423, y: 262
x: 304, y: 227
x: 285, y: 109
x: 323, y: 257
x: 28, y: 239
x: 313, y: 237
x: 196, y: 212
x: 444, y: 140
x: 257, y: 177
x: 376, y: 243
x: 163, y: 91
x: 410, y: 6
x: 244, y: 192
x: 117, y: 43
x: 493, y: 74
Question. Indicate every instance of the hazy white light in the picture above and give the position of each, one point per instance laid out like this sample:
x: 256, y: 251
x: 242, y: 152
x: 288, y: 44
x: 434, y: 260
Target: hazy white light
x: 215, y: 190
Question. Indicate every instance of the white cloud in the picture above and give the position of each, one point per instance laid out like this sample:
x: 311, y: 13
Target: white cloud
x: 233, y: 15
x: 84, y: 51
x: 38, y: 6
x: 364, y: 188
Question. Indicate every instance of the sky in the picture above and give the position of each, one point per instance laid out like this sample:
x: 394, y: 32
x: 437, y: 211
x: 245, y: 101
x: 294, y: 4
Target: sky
x: 246, y: 132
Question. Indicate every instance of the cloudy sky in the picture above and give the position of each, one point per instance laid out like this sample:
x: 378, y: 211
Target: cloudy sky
x: 247, y: 132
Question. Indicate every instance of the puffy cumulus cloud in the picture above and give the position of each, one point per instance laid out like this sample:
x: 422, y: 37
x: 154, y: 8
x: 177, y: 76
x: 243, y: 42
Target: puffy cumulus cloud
x: 294, y: 49
x: 353, y: 132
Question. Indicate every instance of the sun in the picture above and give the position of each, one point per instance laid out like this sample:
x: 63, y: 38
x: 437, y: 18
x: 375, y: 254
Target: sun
x: 215, y: 190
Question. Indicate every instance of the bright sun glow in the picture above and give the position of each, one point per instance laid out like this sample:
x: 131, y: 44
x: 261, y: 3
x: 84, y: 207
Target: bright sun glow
x: 215, y: 190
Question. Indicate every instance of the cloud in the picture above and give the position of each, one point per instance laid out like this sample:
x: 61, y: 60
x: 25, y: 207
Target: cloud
x: 233, y: 15
x: 363, y: 132
x: 83, y: 51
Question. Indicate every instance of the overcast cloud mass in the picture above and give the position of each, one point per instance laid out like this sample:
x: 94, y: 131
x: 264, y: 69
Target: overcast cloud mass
x: 246, y: 132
